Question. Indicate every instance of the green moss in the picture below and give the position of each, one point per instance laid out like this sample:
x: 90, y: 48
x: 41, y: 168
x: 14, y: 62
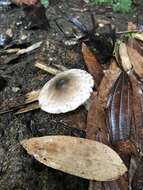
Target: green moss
x: 45, y: 3
x: 117, y: 5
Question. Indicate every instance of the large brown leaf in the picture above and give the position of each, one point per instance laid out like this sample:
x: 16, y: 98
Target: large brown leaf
x: 137, y: 61
x: 92, y: 64
x: 137, y: 127
x: 107, y: 82
x: 81, y: 157
x: 96, y: 122
x: 96, y: 125
x: 119, y: 109
x: 136, y: 44
x: 137, y: 183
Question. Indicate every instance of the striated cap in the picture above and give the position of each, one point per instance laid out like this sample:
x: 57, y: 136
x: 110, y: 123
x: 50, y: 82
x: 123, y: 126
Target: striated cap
x: 66, y: 91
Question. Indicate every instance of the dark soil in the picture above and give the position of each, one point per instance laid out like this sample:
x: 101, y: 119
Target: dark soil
x: 18, y: 170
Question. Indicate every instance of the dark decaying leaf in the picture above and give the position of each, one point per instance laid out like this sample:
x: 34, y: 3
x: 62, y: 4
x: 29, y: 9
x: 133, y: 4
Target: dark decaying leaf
x: 119, y: 109
x: 137, y: 104
x: 137, y: 183
x: 96, y: 125
x: 92, y: 64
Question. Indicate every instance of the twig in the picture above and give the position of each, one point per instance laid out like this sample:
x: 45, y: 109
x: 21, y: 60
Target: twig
x: 28, y: 107
x: 128, y: 31
x: 49, y: 69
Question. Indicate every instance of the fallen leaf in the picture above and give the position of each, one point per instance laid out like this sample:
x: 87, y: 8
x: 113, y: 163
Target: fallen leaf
x: 119, y: 109
x: 96, y: 122
x: 81, y: 157
x: 137, y: 104
x: 107, y: 82
x: 136, y: 60
x: 136, y: 44
x: 92, y: 64
x: 124, y: 57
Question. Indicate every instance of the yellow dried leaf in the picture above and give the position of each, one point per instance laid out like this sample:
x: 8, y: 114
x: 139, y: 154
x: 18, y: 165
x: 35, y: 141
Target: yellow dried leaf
x: 77, y: 156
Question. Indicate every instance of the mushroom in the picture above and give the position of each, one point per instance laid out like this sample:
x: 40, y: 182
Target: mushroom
x: 66, y: 91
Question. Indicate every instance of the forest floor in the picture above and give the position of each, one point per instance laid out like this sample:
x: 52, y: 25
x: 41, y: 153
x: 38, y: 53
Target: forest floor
x: 18, y: 170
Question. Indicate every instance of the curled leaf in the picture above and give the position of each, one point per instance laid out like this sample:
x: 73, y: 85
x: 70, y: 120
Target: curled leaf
x: 92, y: 64
x: 81, y: 157
x: 119, y: 109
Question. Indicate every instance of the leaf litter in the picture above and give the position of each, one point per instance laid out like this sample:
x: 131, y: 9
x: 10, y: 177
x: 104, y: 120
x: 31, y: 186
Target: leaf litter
x: 118, y: 97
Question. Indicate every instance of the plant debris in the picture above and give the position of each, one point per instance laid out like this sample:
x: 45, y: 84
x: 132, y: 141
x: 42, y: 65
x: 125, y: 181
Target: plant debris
x: 112, y: 113
x: 73, y: 155
x: 92, y: 64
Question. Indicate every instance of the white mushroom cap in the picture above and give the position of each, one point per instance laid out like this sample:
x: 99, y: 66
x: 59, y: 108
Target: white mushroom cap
x: 66, y: 91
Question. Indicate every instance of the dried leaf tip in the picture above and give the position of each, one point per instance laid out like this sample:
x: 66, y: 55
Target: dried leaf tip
x: 92, y: 64
x: 125, y: 61
x: 80, y: 157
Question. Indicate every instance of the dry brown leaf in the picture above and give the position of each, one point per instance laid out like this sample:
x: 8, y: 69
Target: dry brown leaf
x: 124, y: 57
x: 136, y: 44
x: 137, y: 128
x: 92, y: 64
x: 136, y: 60
x: 96, y: 122
x: 81, y: 157
x: 107, y: 82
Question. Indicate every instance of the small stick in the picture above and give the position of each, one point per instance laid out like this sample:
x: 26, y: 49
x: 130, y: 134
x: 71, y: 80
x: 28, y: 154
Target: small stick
x: 20, y: 102
x: 27, y: 108
x: 128, y: 31
x: 49, y: 69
